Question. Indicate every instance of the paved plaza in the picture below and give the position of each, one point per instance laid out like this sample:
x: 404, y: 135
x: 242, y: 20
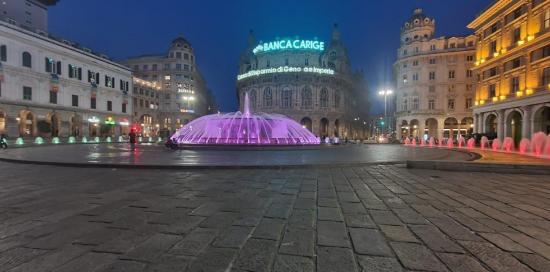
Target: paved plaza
x: 369, y: 218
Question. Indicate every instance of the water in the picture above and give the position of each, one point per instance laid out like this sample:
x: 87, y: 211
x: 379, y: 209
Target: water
x: 484, y: 142
x: 508, y: 144
x: 245, y: 128
x: 496, y: 144
x: 471, y: 143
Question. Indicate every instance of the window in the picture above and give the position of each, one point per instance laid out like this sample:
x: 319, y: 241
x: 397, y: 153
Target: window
x: 514, y: 84
x: 493, y: 47
x: 432, y: 47
x: 546, y: 77
x: 286, y: 61
x: 92, y: 103
x: 75, y: 72
x: 185, y: 56
x: 404, y: 104
x: 468, y: 103
x: 167, y: 66
x: 109, y: 105
x: 470, y: 58
x: 306, y: 62
x: 404, y: 78
x: 27, y: 59
x: 516, y: 34
x: 469, y: 87
x: 324, y: 98
x: 432, y: 61
x: 451, y: 88
x: 53, y: 97
x: 451, y: 74
x: 154, y: 68
x: 286, y: 99
x: 186, y: 67
x: 431, y: 89
x: 492, y: 90
x: 306, y: 98
x: 3, y: 53
x: 109, y: 81
x: 415, y: 77
x: 268, y: 97
x: 52, y: 66
x: 405, y: 52
x: 27, y: 93
x: 178, y: 66
x: 405, y: 64
x: 469, y: 73
x: 93, y: 77
x: 178, y: 55
x: 141, y: 103
x: 75, y: 100
x: 416, y: 49
x: 415, y: 63
x: 415, y: 103
x: 124, y: 107
x: 493, y: 72
x: 336, y: 98
x: 451, y: 104
x: 268, y: 64
x: 431, y: 104
x: 453, y: 45
x: 145, y: 67
x: 516, y: 63
x: 432, y: 75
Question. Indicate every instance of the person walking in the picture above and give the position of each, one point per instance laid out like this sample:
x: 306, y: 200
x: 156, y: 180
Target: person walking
x: 132, y: 136
x: 3, y: 141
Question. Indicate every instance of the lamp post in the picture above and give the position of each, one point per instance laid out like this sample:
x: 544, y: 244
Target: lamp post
x: 385, y: 93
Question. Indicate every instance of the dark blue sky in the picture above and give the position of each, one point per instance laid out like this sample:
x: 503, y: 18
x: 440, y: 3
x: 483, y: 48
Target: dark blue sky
x: 218, y: 29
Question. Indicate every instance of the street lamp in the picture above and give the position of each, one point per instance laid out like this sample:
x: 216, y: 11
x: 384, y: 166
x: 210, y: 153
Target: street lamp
x: 385, y: 93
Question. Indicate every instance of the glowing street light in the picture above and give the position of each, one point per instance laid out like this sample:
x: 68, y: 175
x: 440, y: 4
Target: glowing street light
x: 385, y: 93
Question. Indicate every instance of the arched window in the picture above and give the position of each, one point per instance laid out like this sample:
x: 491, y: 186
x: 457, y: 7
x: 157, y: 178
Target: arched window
x: 415, y: 103
x: 324, y: 98
x: 27, y: 59
x: 337, y: 98
x: 286, y: 98
x: 306, y: 98
x: 268, y: 97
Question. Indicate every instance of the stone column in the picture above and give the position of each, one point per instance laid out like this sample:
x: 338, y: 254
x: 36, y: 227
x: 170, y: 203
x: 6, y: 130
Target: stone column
x: 500, y: 124
x: 476, y: 121
x: 526, y: 123
x: 398, y: 130
x: 440, y: 127
x: 421, y: 127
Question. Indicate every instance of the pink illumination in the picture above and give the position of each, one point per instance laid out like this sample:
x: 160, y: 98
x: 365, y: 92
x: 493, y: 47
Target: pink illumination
x: 246, y: 128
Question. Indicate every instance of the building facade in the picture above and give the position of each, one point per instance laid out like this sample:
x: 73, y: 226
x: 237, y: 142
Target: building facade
x: 51, y: 88
x: 306, y: 80
x: 513, y: 69
x: 28, y: 14
x: 146, y: 103
x: 435, y: 84
x: 185, y: 95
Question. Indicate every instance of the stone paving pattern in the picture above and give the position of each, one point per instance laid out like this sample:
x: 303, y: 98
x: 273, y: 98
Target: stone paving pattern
x: 371, y: 218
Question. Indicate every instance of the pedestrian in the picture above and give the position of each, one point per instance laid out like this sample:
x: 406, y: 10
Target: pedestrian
x: 132, y: 136
x: 3, y: 141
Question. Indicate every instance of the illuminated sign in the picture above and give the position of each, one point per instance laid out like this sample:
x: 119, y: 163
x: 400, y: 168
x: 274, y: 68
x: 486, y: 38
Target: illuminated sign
x: 186, y: 111
x: 286, y: 69
x: 289, y: 45
x: 109, y: 121
x: 93, y: 119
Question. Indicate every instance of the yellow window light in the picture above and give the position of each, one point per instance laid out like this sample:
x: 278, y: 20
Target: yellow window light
x: 481, y: 102
x: 530, y: 37
x: 519, y: 93
x: 521, y: 42
x: 495, y: 54
x: 476, y: 103
x: 529, y: 91
x: 502, y: 97
x: 477, y: 63
x: 482, y: 60
x: 503, y: 50
x: 495, y: 99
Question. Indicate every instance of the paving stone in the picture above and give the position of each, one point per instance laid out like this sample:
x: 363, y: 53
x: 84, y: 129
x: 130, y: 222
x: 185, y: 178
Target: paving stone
x: 359, y: 221
x: 530, y: 243
x: 183, y: 226
x: 435, y: 240
x: 219, y: 220
x: 289, y: 263
x: 329, y: 214
x: 353, y: 208
x: 379, y: 264
x: 535, y: 262
x: 504, y: 242
x: 51, y: 260
x: 256, y: 255
x: 279, y: 211
x: 469, y: 222
x: 194, y: 242
x: 427, y: 210
x: 461, y: 263
x: 454, y: 230
x: 233, y: 237
x: 495, y: 258
x: 124, y: 266
x: 305, y: 204
x: 385, y: 218
x: 409, y: 216
x: 417, y: 257
x: 269, y: 228
x: 332, y: 234
x: 213, y: 260
x: 153, y: 247
x: 297, y: 242
x: 126, y: 241
x: 91, y: 261
x: 168, y: 263
x: 327, y: 202
x: 304, y: 219
x: 330, y: 259
x: 398, y: 233
x: 17, y: 256
x: 369, y: 242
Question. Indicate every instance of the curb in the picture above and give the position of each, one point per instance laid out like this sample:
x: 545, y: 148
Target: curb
x: 469, y: 166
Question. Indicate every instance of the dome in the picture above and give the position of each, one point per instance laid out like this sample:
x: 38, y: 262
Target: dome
x: 180, y: 42
x: 418, y: 19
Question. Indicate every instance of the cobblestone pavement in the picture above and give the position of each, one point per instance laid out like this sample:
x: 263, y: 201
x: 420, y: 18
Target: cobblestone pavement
x: 372, y: 218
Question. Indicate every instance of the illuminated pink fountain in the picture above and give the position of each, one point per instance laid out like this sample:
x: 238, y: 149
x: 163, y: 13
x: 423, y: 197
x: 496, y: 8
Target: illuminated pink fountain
x: 246, y: 128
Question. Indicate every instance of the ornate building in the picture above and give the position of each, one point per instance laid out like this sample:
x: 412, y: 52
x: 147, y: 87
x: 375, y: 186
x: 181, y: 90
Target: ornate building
x: 51, y: 87
x: 146, y: 103
x: 307, y: 80
x: 513, y: 69
x: 185, y: 95
x: 435, y: 92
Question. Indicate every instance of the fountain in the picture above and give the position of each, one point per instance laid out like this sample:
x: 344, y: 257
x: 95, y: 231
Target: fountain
x: 108, y: 139
x: 524, y: 145
x: 19, y: 141
x: 508, y: 144
x: 72, y: 140
x: 432, y: 141
x: 496, y: 144
x: 471, y: 143
x: 450, y: 143
x: 55, y: 140
x: 96, y: 139
x: 244, y: 128
x: 422, y: 142
x: 407, y: 141
x: 120, y: 139
x: 39, y: 140
x: 537, y: 143
x: 461, y: 141
x: 547, y: 146
x: 84, y: 140
x: 484, y: 142
x: 413, y: 142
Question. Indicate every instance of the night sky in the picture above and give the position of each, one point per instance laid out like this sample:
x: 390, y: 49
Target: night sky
x: 218, y: 30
